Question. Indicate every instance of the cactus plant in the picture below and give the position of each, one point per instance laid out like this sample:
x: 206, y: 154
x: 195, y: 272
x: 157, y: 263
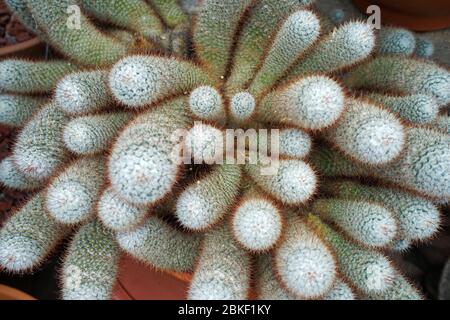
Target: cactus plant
x: 105, y: 149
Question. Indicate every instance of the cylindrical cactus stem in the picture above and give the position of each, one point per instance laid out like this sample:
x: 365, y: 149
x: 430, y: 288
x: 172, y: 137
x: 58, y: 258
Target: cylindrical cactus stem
x: 213, y: 41
x: 418, y: 218
x: 398, y: 41
x: 11, y: 177
x: 223, y: 269
x: 72, y: 195
x: 297, y: 33
x: 256, y: 223
x: 28, y: 77
x: 139, y: 80
x: 206, y: 103
x: 90, y: 265
x: 368, y: 134
x: 118, y: 214
x: 15, y: 110
x: 242, y: 107
x: 145, y: 160
x: 313, y: 103
x: 170, y: 11
x: 93, y: 133
x: 20, y: 10
x: 293, y: 181
x: 424, y: 47
x: 331, y: 163
x: 425, y: 164
x: 401, y: 289
x: 160, y: 245
x: 346, y: 46
x: 405, y: 75
x: 210, y: 198
x: 293, y: 143
x: 415, y: 108
x: 267, y: 285
x: 39, y: 149
x: 83, y: 92
x: 369, y: 271
x: 442, y: 123
x: 29, y: 236
x: 73, y: 34
x: 340, y: 291
x: 254, y: 39
x: 304, y: 263
x: 368, y: 223
x: 134, y: 15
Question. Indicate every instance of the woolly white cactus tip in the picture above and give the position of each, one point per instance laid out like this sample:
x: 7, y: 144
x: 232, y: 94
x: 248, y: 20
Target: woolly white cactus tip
x: 314, y: 102
x: 294, y: 182
x: 205, y: 143
x: 424, y: 47
x: 206, y: 103
x: 396, y: 41
x: 242, y: 106
x: 379, y: 275
x: 19, y: 253
x: 305, y: 265
x: 72, y: 95
x: 257, y: 224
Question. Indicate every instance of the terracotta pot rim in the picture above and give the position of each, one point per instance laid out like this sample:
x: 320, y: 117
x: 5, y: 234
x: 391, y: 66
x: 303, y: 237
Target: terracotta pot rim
x: 8, y: 50
x: 8, y: 293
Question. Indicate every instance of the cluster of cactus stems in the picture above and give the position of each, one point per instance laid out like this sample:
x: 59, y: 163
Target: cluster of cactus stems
x: 364, y: 148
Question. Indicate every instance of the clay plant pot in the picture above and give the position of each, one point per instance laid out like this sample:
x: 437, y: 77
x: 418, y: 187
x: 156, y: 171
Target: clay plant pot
x: 33, y: 48
x: 8, y: 293
x: 418, y: 15
x: 137, y: 281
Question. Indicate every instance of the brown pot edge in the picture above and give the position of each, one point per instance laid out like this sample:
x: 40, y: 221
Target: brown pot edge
x: 8, y: 293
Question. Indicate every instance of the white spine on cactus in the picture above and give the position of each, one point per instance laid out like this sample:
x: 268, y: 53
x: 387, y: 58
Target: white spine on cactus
x: 369, y: 271
x: 405, y: 75
x: 206, y: 103
x: 83, y: 92
x: 298, y: 32
x: 205, y: 143
x: 368, y: 133
x: 137, y: 80
x: 145, y: 159
x: 16, y: 109
x: 367, y: 223
x: 400, y: 289
x: 28, y: 236
x: 314, y: 102
x: 294, y: 183
x: 257, y: 224
x: 71, y: 196
x: 396, y: 41
x: 425, y: 165
x: 116, y: 213
x: 223, y: 269
x: 424, y: 47
x: 416, y: 108
x: 93, y: 133
x: 160, y: 245
x: 418, y: 218
x: 305, y: 265
x: 39, y: 149
x: 90, y: 266
x: 347, y: 45
x: 207, y: 200
x: 340, y: 291
x: 11, y: 177
x: 242, y: 106
x: 294, y: 143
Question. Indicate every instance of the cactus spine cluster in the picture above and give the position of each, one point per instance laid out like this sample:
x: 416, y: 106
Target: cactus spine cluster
x: 102, y: 148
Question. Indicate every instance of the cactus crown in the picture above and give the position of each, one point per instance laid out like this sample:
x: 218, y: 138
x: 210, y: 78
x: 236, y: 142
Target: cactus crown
x: 106, y: 154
